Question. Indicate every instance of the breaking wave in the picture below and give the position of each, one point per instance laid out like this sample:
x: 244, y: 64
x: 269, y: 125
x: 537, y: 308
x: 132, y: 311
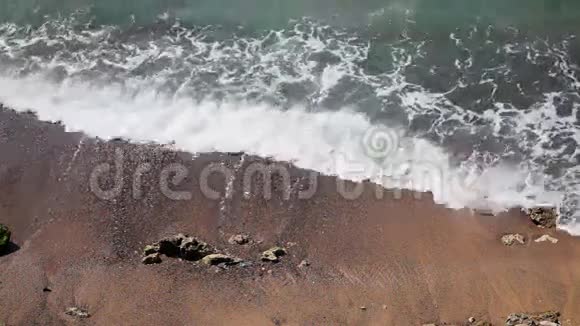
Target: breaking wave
x: 488, y: 114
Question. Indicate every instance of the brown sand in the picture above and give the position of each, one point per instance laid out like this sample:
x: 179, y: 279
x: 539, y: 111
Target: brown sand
x: 407, y: 261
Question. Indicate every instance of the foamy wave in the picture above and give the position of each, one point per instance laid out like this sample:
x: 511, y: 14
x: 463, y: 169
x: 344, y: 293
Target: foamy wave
x: 159, y: 83
x: 329, y: 142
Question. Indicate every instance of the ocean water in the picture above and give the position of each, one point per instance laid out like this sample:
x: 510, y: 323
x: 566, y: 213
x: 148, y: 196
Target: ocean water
x: 476, y: 101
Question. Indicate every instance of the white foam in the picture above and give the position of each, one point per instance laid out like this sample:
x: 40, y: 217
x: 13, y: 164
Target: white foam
x: 329, y: 142
x: 571, y: 228
x: 162, y: 75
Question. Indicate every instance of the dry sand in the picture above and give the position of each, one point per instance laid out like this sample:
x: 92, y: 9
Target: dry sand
x: 407, y: 261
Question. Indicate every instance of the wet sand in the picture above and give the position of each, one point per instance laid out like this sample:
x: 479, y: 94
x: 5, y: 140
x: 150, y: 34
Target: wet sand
x: 407, y: 261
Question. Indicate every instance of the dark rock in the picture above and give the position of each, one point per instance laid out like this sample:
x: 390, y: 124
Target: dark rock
x: 273, y: 254
x: 153, y: 258
x: 545, y: 217
x: 46, y: 289
x: 216, y: 259
x: 170, y: 246
x: 179, y: 246
x: 240, y: 239
x: 548, y: 318
x: 151, y: 249
x: 77, y: 312
x: 194, y: 249
x: 4, y: 237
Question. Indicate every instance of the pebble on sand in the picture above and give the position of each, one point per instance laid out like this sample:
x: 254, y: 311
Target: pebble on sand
x: 514, y: 238
x: 304, y: 263
x: 548, y: 318
x: 77, y: 312
x: 216, y: 259
x: 546, y: 237
x: 273, y: 254
x: 240, y: 239
x: 153, y: 258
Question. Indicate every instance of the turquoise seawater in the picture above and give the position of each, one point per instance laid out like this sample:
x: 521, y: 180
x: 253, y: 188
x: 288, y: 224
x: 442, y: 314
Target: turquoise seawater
x: 268, y: 14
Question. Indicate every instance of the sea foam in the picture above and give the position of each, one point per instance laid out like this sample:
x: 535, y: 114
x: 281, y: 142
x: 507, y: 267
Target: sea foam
x: 331, y: 142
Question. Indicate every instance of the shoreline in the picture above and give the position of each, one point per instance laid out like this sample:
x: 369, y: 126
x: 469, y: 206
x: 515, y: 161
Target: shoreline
x: 424, y: 262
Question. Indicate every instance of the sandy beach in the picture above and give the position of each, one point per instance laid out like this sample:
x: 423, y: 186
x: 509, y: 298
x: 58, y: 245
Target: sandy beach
x: 389, y: 261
